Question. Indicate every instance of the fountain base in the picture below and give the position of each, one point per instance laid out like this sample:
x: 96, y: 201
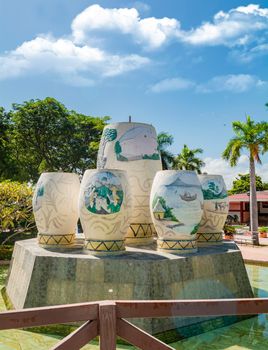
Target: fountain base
x: 41, y: 277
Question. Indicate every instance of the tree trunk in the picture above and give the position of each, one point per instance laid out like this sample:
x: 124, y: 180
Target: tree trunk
x: 253, y: 203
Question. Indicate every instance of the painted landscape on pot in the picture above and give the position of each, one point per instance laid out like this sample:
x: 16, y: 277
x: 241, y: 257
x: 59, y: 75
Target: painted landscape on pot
x: 104, y: 194
x: 137, y: 143
x: 216, y: 204
x: 177, y: 204
x: 214, y: 189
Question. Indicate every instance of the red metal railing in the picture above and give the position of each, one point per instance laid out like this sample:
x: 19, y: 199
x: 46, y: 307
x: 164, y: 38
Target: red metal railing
x: 107, y: 318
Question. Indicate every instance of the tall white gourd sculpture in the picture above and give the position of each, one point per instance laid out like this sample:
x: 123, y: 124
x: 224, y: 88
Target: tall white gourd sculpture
x: 133, y: 147
x: 55, y: 208
x: 216, y: 206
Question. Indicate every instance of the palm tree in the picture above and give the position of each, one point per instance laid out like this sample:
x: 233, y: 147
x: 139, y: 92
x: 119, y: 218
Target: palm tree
x: 187, y: 159
x: 165, y: 140
x: 254, y: 138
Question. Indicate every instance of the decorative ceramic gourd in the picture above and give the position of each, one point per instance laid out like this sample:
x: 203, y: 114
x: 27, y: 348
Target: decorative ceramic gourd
x: 216, y: 206
x: 133, y: 147
x: 104, y: 204
x: 55, y: 208
x: 176, y: 208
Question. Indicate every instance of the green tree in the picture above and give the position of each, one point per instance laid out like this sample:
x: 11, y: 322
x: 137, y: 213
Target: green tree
x: 3, y: 140
x: 241, y: 184
x: 16, y: 210
x: 46, y: 136
x: 6, y: 166
x: 253, y: 137
x: 164, y: 140
x: 188, y: 160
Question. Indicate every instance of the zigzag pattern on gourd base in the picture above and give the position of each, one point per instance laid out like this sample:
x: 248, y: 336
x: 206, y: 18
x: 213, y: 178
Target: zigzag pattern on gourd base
x: 140, y: 231
x: 105, y: 246
x: 209, y: 237
x: 56, y: 239
x: 164, y: 244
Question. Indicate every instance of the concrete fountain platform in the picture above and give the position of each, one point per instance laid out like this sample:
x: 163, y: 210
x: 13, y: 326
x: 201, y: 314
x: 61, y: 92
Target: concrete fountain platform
x: 40, y: 277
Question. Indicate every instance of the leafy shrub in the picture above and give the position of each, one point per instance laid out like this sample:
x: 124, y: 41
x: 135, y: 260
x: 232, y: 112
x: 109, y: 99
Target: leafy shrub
x: 263, y: 229
x: 16, y: 215
x: 6, y: 252
x: 229, y: 230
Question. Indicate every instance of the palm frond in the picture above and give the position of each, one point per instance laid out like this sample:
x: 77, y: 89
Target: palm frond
x: 186, y: 159
x: 164, y: 140
x: 249, y: 135
x: 197, y: 150
x: 254, y: 151
x: 232, y: 150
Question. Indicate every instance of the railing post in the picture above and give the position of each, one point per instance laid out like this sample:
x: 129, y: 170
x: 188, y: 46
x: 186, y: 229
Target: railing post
x: 107, y: 325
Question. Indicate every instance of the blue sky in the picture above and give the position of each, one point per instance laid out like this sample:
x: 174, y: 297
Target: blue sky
x: 188, y: 67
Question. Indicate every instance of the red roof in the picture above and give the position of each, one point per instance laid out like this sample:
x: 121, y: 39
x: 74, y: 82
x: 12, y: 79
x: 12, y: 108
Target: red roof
x: 262, y: 196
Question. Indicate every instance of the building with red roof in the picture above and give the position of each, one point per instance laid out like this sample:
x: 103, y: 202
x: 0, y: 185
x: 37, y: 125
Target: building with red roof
x: 239, y: 207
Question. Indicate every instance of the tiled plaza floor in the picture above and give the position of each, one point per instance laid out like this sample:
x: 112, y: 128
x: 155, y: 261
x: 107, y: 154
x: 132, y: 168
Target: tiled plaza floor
x: 255, y: 254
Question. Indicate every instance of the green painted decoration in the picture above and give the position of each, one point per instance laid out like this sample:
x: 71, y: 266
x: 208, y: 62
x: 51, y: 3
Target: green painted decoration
x: 104, y: 195
x: 212, y: 190
x: 109, y: 135
x: 195, y: 229
x: 167, y: 211
x: 40, y: 191
x: 137, y: 143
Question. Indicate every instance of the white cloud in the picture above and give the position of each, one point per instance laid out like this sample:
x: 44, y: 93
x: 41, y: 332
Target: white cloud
x: 150, y: 32
x: 252, y: 9
x: 172, y: 84
x: 237, y: 27
x: 221, y: 167
x: 243, y: 160
x: 12, y: 66
x: 262, y: 171
x: 96, y: 17
x: 79, y: 58
x: 231, y: 83
x: 248, y: 55
x: 141, y: 6
x: 78, y: 65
